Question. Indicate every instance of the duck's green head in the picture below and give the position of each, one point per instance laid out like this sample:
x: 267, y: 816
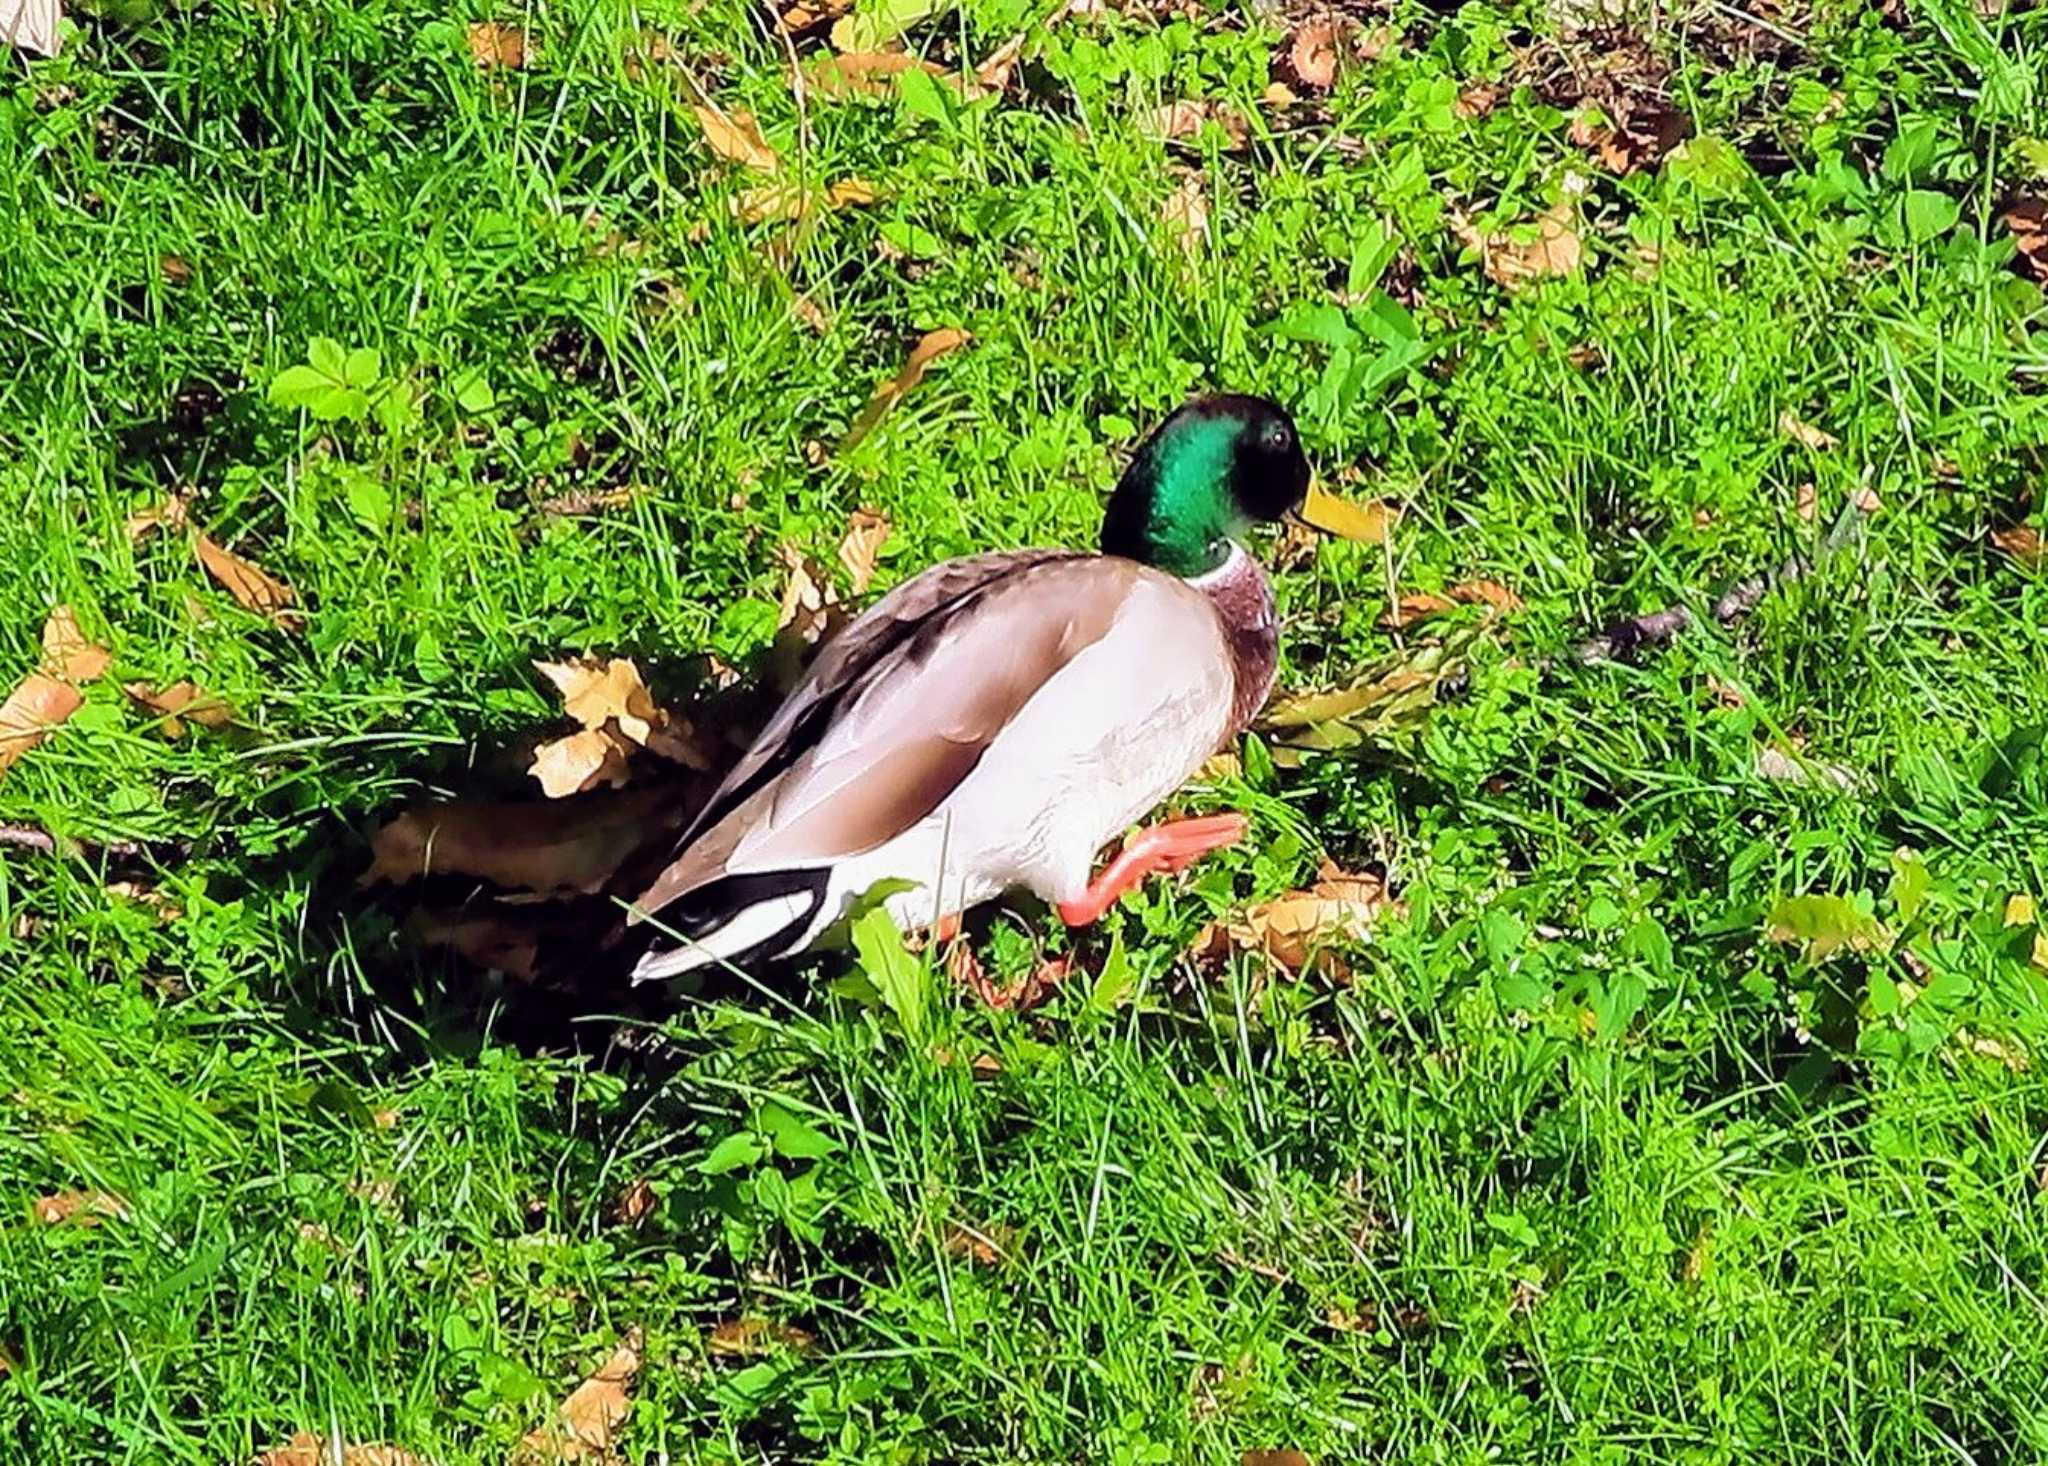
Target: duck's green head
x: 1206, y: 475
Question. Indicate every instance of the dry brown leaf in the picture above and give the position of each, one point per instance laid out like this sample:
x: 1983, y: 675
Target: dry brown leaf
x: 1513, y: 263
x: 993, y: 75
x: 1806, y: 502
x: 2028, y: 221
x: 1413, y: 608
x: 39, y: 703
x: 635, y: 1204
x: 580, y: 761
x: 1485, y: 593
x: 1339, y: 906
x: 806, y: 309
x: 736, y: 137
x: 867, y: 74
x: 810, y: 615
x: 1475, y: 101
x: 2023, y: 543
x: 865, y: 532
x: 610, y: 698
x: 595, y: 692
x: 79, y: 1208
x: 590, y: 1418
x: 1278, y: 96
x: 985, y: 1247
x: 1287, y: 1456
x: 932, y: 346
x: 308, y: 1449
x: 808, y: 15
x: 1313, y: 52
x: 67, y: 655
x: 180, y: 701
x: 146, y: 895
x: 175, y: 269
x: 492, y: 45
x: 1639, y: 140
x: 1806, y: 434
x: 749, y: 1338
x: 787, y: 201
x: 2008, y: 1051
x: 170, y: 514
x: 253, y: 589
x: 1178, y: 121
x: 1186, y: 215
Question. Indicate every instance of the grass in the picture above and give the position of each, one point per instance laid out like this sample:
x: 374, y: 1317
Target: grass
x: 1579, y: 1165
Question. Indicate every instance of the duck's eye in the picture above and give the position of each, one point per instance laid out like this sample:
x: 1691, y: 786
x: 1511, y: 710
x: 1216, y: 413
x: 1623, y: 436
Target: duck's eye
x: 1278, y: 437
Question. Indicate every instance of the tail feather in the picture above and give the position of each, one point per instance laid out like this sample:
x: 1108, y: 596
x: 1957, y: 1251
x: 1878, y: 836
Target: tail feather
x: 738, y: 919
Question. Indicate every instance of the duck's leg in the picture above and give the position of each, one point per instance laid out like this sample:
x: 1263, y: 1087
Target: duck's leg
x: 1169, y: 847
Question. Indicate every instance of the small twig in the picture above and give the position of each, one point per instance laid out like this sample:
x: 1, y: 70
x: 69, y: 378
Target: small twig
x: 1657, y: 629
x: 28, y: 837
x: 35, y: 837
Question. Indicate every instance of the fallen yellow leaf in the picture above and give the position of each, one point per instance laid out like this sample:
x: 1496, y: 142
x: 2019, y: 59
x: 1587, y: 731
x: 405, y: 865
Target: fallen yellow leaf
x: 38, y: 704
x: 867, y: 74
x: 1339, y: 906
x: 1485, y: 593
x: 79, y: 1208
x: 67, y: 654
x: 578, y: 762
x: 2023, y: 543
x: 179, y: 701
x: 1805, y: 433
x: 932, y: 346
x: 865, y: 532
x: 1186, y: 215
x: 617, y: 712
x: 1412, y: 608
x: 493, y: 45
x: 787, y: 201
x: 589, y: 1419
x: 308, y: 1449
x: 252, y: 588
x: 810, y: 614
x: 736, y: 137
x: 170, y: 514
x: 1513, y: 263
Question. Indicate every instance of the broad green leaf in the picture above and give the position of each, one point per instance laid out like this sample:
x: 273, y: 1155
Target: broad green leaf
x: 896, y: 974
x: 736, y: 1152
x: 792, y: 1138
x: 1319, y: 322
x: 1370, y: 257
x: 327, y: 357
x: 1908, y: 155
x: 1113, y: 985
x: 362, y: 368
x: 299, y: 386
x: 471, y: 390
x: 918, y: 243
x: 1930, y: 214
x: 922, y: 96
x: 1617, y: 1000
x: 1911, y: 882
x: 1650, y: 944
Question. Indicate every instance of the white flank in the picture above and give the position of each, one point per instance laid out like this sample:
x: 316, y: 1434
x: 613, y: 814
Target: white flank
x: 30, y: 25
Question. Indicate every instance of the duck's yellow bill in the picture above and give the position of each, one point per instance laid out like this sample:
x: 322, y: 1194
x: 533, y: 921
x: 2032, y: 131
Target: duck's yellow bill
x: 1325, y: 511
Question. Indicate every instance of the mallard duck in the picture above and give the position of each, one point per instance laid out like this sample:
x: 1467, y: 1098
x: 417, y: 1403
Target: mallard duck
x: 992, y: 723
